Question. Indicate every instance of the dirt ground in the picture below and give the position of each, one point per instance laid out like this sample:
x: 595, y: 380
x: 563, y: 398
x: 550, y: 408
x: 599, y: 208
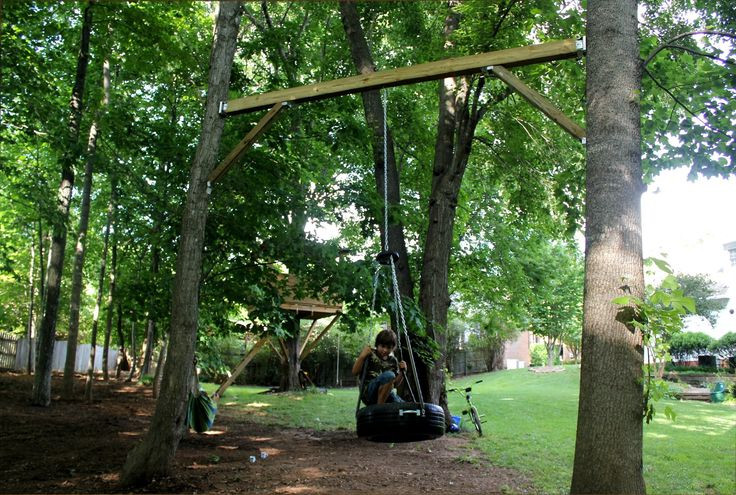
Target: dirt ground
x: 73, y: 447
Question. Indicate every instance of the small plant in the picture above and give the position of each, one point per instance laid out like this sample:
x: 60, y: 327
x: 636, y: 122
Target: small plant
x: 539, y: 355
x: 658, y: 317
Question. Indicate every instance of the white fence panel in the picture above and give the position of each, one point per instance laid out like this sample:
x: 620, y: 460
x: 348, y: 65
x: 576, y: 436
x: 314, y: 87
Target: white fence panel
x: 59, y: 357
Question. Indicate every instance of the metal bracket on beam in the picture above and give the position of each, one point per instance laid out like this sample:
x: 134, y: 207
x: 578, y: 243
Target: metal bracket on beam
x: 584, y: 140
x: 223, y: 108
x: 580, y: 46
x: 487, y: 71
x: 209, y: 188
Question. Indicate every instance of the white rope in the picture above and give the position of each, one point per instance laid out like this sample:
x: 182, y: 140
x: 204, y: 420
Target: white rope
x: 394, y: 278
x: 385, y: 172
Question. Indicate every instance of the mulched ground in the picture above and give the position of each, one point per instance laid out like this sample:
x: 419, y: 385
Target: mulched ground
x: 74, y: 447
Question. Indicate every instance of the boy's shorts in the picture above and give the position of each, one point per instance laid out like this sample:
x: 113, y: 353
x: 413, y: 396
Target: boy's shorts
x: 370, y: 394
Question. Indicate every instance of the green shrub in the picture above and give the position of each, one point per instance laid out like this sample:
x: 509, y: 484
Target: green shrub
x: 539, y: 355
x: 695, y: 369
x: 725, y: 346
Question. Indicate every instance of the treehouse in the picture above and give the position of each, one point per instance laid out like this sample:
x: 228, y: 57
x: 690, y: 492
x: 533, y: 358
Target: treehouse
x: 294, y: 349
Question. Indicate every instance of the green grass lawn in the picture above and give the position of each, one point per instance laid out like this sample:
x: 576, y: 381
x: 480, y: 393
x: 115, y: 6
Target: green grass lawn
x: 530, y: 426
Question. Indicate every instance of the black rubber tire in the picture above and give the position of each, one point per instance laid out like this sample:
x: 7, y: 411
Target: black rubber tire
x: 476, y: 420
x: 400, y: 422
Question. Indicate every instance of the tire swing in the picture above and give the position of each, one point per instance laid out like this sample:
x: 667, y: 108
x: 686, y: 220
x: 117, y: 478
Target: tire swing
x: 396, y: 421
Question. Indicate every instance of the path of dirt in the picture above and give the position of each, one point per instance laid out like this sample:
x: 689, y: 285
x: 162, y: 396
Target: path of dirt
x: 72, y: 447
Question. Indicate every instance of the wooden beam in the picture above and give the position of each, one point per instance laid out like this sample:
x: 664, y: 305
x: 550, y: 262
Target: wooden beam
x: 539, y: 101
x: 511, y: 57
x: 308, y: 349
x: 309, y: 334
x: 240, y: 367
x: 246, y: 142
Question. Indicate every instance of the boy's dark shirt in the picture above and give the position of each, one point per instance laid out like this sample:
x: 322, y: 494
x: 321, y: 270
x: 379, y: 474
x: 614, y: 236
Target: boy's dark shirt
x: 376, y: 365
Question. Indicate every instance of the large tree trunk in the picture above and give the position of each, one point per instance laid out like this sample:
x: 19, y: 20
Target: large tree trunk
x: 459, y: 114
x: 154, y: 455
x: 41, y: 395
x: 67, y: 388
x: 608, y: 447
x: 291, y: 363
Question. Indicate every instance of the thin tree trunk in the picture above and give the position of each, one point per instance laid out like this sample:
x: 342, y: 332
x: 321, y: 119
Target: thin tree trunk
x: 608, y: 446
x: 151, y: 324
x: 103, y: 263
x: 31, y: 297
x: 41, y: 395
x: 154, y: 455
x: 42, y: 280
x: 67, y: 388
x: 133, y: 357
x: 122, y: 355
x: 111, y: 208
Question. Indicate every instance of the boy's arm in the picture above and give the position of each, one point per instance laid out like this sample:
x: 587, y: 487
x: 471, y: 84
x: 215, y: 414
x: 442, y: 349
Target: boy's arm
x: 358, y: 366
x: 400, y: 375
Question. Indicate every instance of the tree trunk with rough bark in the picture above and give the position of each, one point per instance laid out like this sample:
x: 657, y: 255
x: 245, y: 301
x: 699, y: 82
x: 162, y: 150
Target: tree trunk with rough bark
x: 159, y: 369
x: 459, y: 113
x: 608, y: 447
x: 41, y: 395
x: 154, y: 455
x: 291, y: 364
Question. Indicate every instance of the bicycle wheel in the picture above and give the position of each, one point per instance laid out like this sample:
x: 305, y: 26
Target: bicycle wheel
x: 476, y: 420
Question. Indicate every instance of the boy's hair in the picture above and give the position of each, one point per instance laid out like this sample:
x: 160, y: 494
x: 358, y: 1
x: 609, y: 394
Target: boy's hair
x: 387, y: 338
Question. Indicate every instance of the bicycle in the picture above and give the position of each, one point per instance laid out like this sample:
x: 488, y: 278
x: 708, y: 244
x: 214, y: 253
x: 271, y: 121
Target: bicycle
x: 471, y: 410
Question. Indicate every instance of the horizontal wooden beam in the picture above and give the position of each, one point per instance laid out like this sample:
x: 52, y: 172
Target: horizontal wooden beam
x: 511, y: 57
x: 246, y: 142
x: 539, y: 101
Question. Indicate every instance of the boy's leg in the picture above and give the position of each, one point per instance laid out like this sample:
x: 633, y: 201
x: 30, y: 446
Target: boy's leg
x: 384, y: 391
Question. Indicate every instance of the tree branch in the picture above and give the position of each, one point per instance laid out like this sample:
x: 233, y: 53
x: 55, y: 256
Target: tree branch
x: 503, y: 18
x: 685, y: 35
x: 683, y: 105
x: 702, y: 54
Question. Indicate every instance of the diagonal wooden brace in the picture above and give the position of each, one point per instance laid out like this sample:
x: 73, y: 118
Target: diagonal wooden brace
x: 539, y: 101
x: 246, y: 143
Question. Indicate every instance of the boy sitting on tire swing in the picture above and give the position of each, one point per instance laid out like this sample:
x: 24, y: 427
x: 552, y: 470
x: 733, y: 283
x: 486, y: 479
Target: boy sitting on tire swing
x: 384, y: 371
